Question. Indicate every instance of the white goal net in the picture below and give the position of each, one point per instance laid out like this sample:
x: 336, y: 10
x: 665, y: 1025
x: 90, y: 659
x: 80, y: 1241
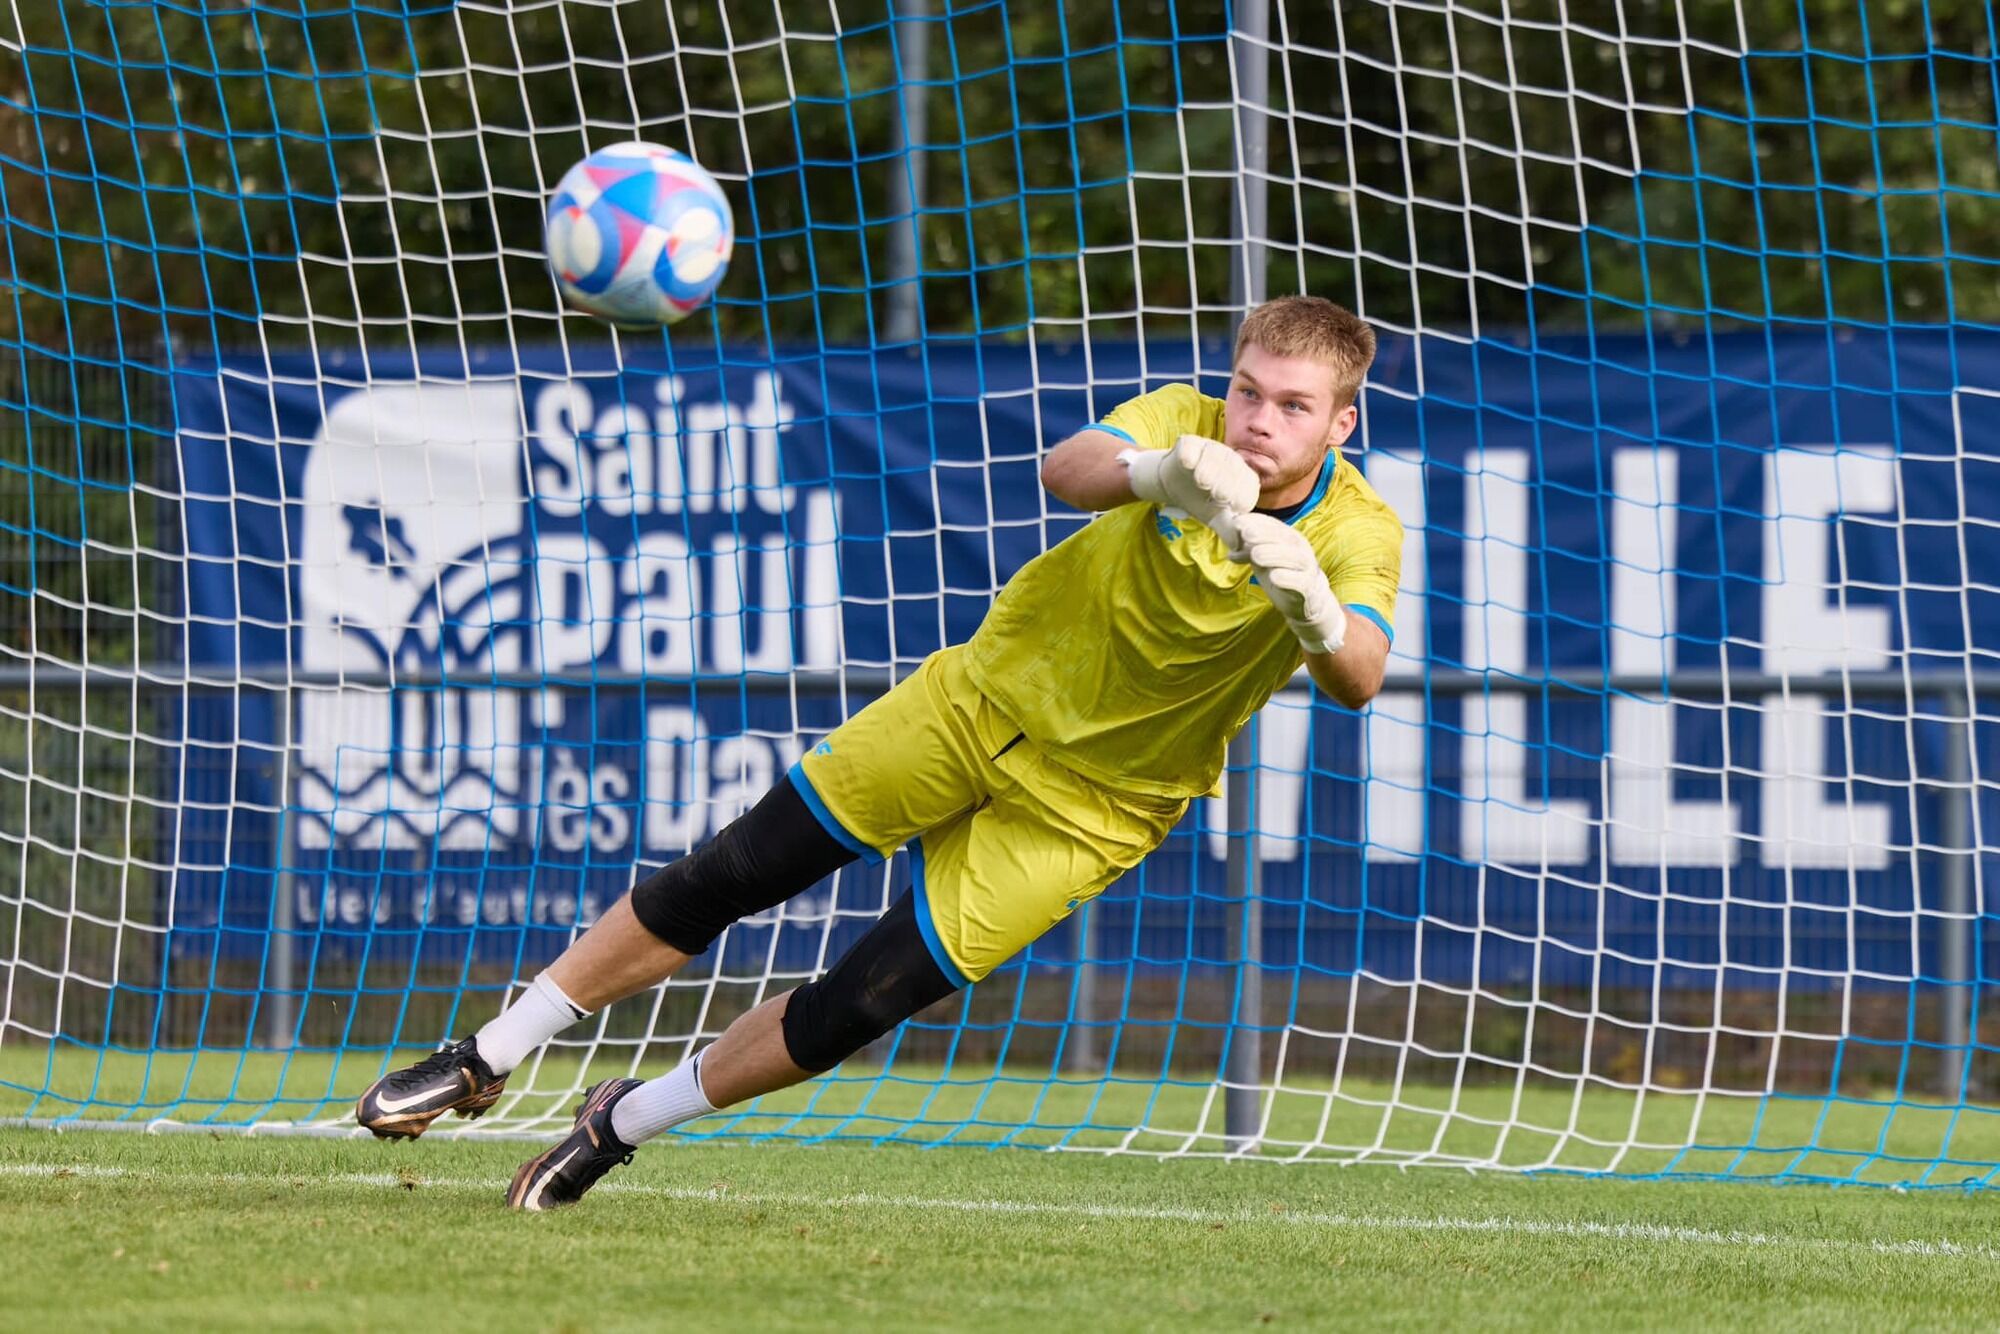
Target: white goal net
x: 366, y: 620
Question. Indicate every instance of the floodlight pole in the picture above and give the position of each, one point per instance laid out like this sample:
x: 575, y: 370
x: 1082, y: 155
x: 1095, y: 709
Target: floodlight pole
x: 906, y: 171
x: 1243, y: 1058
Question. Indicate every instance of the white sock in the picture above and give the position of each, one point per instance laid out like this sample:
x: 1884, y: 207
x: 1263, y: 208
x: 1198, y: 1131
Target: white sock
x: 661, y: 1104
x: 542, y: 1012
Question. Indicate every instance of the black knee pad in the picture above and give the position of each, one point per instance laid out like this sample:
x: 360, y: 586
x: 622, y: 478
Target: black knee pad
x: 885, y: 978
x: 772, y: 851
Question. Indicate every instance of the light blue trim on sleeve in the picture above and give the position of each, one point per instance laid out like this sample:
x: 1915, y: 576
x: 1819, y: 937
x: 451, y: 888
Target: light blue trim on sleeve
x: 1113, y: 430
x: 797, y: 774
x: 932, y: 942
x: 1381, y: 621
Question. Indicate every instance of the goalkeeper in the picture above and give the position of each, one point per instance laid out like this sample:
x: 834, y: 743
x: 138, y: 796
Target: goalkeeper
x: 1026, y: 768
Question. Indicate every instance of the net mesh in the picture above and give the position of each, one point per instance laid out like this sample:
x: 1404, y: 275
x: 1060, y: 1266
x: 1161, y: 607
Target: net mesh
x: 368, y: 619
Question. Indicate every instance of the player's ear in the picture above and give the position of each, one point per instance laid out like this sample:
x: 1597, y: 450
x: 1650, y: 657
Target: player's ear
x: 1344, y: 422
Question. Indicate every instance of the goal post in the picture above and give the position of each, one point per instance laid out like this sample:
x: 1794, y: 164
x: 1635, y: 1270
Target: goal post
x: 367, y: 621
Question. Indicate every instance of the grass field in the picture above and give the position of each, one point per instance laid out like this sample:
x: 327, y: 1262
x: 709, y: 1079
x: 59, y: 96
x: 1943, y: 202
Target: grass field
x: 222, y: 1231
x: 135, y: 1231
x: 1562, y: 1124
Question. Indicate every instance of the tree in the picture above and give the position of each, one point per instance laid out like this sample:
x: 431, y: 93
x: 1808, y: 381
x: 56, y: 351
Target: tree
x: 231, y: 174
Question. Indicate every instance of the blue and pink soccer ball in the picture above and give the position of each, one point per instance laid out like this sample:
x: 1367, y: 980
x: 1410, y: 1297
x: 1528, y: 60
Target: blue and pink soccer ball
x: 639, y: 235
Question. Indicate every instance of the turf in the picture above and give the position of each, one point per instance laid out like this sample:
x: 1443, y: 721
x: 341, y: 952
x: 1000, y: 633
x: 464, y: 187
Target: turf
x: 188, y: 1231
x: 222, y: 1231
x: 1572, y: 1125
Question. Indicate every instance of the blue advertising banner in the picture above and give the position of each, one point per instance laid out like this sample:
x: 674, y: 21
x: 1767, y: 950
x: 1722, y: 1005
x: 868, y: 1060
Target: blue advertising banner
x: 715, y: 526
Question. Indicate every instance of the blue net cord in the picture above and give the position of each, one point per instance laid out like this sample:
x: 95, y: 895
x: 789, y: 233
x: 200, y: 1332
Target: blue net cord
x: 368, y: 619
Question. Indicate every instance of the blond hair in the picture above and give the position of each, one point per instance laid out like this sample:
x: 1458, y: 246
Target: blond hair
x: 1314, y: 328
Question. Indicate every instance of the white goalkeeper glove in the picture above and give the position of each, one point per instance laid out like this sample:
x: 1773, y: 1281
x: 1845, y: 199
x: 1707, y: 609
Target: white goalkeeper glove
x: 1202, y: 478
x: 1288, y: 571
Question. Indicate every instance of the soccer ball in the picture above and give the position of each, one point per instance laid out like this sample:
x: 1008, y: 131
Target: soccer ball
x: 639, y: 235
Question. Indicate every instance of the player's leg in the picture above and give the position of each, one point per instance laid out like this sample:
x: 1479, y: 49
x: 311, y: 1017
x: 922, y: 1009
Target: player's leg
x: 775, y: 850
x: 987, y: 884
x: 907, y: 762
x: 887, y: 976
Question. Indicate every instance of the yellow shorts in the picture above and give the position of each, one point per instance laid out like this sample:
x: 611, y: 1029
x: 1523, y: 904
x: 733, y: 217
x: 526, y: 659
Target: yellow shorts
x: 1008, y: 841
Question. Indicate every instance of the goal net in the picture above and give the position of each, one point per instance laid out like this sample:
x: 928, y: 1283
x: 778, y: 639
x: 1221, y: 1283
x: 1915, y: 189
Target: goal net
x: 366, y: 621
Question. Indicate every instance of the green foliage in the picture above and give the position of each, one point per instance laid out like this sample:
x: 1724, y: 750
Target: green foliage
x: 367, y: 177
x: 233, y: 174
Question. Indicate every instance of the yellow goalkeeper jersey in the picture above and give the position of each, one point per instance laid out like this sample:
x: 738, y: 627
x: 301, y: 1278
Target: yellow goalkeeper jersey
x: 1132, y: 651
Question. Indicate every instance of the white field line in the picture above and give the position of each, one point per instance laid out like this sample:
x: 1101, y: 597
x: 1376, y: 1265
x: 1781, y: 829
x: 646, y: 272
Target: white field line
x: 1492, y: 1225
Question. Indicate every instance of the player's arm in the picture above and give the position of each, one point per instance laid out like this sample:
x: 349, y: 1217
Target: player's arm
x: 1353, y: 676
x: 1346, y: 653
x: 1086, y: 472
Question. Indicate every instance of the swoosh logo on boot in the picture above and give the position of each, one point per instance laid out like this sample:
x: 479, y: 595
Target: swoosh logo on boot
x: 534, y: 1200
x: 401, y: 1104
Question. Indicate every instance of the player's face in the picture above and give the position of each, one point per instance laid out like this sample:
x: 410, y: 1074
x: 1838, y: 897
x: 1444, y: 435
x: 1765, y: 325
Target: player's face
x: 1280, y: 418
